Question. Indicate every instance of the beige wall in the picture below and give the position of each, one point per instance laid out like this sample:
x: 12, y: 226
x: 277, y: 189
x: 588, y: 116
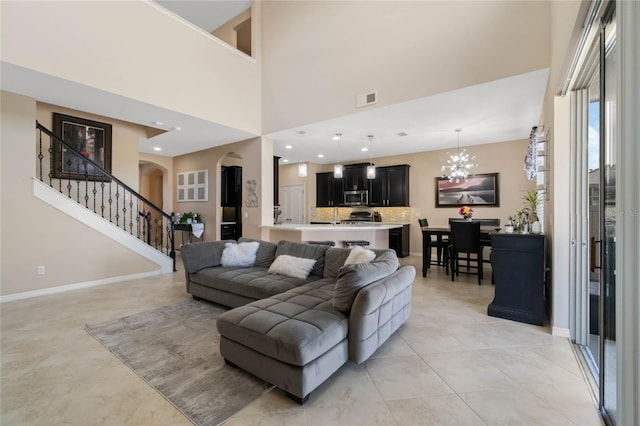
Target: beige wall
x: 138, y: 50
x: 505, y: 158
x: 150, y: 161
x: 124, y: 145
x: 34, y: 233
x: 318, y: 55
x: 227, y: 32
x: 252, y: 152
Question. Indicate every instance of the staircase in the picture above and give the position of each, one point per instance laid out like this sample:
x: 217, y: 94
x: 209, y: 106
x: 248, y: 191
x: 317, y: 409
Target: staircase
x: 76, y: 176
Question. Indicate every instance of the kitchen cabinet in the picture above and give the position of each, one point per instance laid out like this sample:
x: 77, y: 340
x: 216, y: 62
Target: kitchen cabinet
x: 328, y: 190
x: 231, y: 186
x: 355, y: 177
x: 390, y: 188
x: 228, y: 231
x: 399, y: 240
x: 518, y: 263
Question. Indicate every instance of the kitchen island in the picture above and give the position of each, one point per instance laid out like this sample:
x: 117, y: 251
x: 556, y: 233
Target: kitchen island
x: 376, y: 233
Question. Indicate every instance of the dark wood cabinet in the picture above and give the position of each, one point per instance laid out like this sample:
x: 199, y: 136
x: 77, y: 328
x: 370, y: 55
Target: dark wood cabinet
x: 518, y: 262
x: 390, y: 188
x: 328, y: 190
x: 231, y: 186
x: 355, y: 177
x: 399, y: 240
x: 229, y: 232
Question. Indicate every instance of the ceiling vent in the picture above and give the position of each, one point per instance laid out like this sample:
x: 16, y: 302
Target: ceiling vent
x: 366, y: 99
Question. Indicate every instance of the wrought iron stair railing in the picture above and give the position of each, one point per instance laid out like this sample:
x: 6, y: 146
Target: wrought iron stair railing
x: 75, y: 175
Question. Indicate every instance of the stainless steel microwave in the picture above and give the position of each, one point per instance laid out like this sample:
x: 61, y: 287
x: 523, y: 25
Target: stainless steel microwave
x: 356, y: 198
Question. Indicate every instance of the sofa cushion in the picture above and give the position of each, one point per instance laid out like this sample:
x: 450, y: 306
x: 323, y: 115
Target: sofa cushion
x: 202, y: 255
x: 242, y: 254
x: 291, y: 266
x: 266, y: 252
x: 359, y: 255
x: 334, y: 260
x: 253, y: 282
x: 352, y: 278
x: 295, y: 327
x: 309, y: 251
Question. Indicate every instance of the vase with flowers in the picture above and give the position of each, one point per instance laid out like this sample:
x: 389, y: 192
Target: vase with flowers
x: 466, y: 212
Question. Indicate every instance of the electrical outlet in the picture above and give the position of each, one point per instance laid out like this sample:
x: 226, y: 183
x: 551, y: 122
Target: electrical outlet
x: 41, y: 270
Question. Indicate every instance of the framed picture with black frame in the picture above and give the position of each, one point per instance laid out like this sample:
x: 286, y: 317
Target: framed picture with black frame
x: 91, y: 139
x: 476, y: 190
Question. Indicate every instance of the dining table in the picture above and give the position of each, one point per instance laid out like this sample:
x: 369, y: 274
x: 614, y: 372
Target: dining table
x: 441, y: 231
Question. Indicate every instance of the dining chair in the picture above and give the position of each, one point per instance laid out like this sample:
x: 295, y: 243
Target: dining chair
x: 465, y: 239
x: 442, y: 247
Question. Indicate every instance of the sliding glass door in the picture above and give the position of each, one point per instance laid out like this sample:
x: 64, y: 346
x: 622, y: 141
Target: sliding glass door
x: 599, y: 171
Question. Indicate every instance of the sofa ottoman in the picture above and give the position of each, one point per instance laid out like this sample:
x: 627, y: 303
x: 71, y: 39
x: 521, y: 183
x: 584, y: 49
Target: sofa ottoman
x: 294, y: 340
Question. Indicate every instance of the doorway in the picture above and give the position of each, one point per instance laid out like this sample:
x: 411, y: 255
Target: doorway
x: 292, y: 203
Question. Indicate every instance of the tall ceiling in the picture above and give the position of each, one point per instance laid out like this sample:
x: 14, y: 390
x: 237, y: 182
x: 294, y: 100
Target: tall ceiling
x: 496, y: 111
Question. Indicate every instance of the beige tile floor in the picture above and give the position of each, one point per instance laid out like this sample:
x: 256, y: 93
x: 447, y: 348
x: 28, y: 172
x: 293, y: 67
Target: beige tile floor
x: 450, y: 364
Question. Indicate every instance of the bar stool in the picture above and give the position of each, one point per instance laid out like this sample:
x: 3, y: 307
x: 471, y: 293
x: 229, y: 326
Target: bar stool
x: 352, y: 243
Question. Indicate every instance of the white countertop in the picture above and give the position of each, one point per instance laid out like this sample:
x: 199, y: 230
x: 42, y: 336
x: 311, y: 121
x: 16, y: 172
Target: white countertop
x: 337, y: 227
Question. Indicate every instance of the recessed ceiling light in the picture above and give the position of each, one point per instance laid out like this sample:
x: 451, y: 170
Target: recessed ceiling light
x: 158, y: 123
x: 176, y: 128
x: 337, y: 136
x: 301, y: 132
x: 320, y: 155
x: 288, y: 147
x: 364, y: 149
x: 285, y: 160
x: 402, y: 134
x: 157, y: 148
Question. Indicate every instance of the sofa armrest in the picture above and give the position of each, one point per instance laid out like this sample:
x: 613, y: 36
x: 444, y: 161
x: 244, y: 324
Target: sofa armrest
x: 379, y: 310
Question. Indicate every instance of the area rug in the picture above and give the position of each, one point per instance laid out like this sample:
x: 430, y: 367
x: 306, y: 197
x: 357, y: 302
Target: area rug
x: 175, y: 350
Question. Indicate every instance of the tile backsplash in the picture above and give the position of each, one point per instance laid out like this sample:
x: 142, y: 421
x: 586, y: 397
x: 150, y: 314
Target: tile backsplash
x: 389, y: 214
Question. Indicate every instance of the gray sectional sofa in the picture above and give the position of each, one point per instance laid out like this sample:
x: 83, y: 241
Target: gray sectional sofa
x: 296, y: 332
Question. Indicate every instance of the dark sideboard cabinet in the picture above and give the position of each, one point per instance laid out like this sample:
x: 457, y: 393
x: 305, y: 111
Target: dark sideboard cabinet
x: 518, y: 262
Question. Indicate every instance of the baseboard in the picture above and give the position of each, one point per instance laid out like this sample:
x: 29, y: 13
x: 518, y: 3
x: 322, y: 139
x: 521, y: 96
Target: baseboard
x: 69, y: 287
x: 561, y: 332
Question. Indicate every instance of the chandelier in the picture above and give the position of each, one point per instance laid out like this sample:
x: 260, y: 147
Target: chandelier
x: 457, y: 166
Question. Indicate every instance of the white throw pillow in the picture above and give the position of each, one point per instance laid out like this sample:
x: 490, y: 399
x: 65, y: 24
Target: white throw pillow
x: 360, y: 255
x: 243, y: 254
x: 291, y: 266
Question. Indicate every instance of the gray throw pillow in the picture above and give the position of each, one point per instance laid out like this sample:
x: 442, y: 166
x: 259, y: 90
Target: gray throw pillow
x: 352, y: 278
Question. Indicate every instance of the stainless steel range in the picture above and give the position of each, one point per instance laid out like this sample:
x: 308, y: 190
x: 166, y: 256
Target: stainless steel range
x: 360, y: 216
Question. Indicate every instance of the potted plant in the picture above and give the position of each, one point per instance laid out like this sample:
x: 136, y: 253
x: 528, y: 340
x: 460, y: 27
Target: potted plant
x: 189, y: 217
x: 531, y: 200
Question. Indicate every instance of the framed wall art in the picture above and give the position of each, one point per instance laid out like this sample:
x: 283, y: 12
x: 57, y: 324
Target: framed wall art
x: 477, y: 190
x: 193, y: 186
x: 91, y: 139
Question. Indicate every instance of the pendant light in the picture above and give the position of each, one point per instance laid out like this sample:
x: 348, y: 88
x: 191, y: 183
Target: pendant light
x: 457, y: 166
x: 371, y: 169
x: 302, y: 169
x: 337, y: 169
